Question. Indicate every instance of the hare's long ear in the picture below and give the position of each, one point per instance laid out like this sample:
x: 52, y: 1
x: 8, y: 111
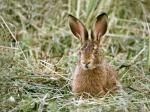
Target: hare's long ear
x: 100, y: 27
x: 78, y: 29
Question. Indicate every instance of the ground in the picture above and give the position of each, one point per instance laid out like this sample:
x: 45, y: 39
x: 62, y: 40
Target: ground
x: 38, y: 54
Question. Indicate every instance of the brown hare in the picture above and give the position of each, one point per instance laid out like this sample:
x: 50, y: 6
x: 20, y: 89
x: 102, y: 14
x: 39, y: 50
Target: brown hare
x: 92, y: 74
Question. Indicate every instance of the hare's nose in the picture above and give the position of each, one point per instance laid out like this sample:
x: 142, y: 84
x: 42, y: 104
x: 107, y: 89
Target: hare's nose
x: 86, y: 64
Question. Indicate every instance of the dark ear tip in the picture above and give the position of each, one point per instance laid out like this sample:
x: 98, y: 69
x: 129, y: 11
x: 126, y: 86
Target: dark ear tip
x: 102, y: 15
x: 69, y: 15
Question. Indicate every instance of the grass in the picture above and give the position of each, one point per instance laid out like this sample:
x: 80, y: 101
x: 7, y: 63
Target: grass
x: 38, y: 54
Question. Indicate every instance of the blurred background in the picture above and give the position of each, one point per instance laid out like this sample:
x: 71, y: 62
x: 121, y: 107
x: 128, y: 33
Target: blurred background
x: 38, y: 54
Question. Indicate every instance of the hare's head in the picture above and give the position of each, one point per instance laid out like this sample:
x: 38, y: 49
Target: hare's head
x: 89, y: 53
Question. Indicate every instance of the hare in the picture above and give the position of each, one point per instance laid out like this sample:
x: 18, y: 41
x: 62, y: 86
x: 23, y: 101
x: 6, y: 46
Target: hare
x: 93, y: 75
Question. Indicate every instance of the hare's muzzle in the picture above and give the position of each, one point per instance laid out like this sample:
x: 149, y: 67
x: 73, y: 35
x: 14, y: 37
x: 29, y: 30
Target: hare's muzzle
x: 86, y: 65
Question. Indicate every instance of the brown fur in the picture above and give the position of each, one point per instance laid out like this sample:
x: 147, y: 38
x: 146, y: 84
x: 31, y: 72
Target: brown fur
x: 92, y: 74
x: 99, y: 80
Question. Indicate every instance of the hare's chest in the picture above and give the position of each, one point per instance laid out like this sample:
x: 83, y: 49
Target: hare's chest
x: 88, y: 82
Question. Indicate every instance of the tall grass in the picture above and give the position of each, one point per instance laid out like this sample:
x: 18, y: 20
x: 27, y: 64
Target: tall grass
x: 38, y: 54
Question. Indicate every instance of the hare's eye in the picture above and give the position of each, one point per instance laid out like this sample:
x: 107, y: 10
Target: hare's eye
x: 95, y: 52
x: 79, y: 53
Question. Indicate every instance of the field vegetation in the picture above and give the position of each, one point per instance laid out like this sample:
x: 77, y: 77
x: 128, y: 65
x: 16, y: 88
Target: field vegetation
x: 38, y: 54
